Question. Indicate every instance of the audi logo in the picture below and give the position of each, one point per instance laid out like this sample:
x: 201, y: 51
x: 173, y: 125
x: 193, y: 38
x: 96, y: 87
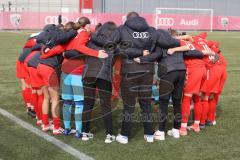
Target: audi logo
x: 54, y: 20
x: 165, y: 21
x: 140, y: 35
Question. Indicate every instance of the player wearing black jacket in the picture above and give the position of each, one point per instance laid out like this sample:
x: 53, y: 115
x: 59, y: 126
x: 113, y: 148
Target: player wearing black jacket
x: 171, y: 81
x: 98, y: 74
x: 136, y: 78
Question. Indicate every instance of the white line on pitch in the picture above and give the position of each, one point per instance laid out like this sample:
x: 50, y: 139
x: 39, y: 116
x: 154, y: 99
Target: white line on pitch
x: 74, y: 152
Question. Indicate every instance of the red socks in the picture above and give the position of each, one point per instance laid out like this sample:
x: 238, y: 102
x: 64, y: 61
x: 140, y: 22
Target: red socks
x: 185, y: 108
x: 197, y: 107
x: 39, y: 106
x: 27, y: 96
x: 212, y: 109
x: 56, y: 122
x: 45, y: 119
x: 34, y: 101
x: 204, y: 111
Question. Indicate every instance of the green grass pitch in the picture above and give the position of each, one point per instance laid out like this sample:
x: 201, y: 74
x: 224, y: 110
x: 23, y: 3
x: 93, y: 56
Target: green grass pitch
x: 221, y: 142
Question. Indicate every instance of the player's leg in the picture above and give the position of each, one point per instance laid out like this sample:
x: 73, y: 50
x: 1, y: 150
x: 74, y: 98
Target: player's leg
x: 178, y: 82
x: 34, y: 100
x: 185, y: 111
x: 77, y: 87
x: 34, y: 96
x: 24, y: 91
x: 89, y: 100
x: 215, y: 74
x: 28, y: 86
x: 45, y: 109
x: 21, y: 75
x: 39, y: 106
x: 128, y: 95
x: 37, y: 84
x: 212, y: 109
x: 205, y: 108
x: 105, y: 93
x: 53, y: 89
x: 67, y: 96
x: 28, y: 92
x: 197, y: 112
x: 192, y: 85
x: 144, y: 99
x: 165, y: 89
x: 55, y: 109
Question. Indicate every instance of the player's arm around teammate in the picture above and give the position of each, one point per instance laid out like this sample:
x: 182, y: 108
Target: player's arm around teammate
x: 71, y: 78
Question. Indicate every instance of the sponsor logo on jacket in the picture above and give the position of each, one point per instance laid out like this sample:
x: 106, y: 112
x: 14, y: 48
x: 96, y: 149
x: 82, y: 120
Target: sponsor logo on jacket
x: 140, y: 35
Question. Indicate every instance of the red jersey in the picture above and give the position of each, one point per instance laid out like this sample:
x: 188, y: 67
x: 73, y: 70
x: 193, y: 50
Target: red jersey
x: 215, y: 47
x: 77, y: 66
x: 192, y: 62
x: 79, y: 43
x: 202, y: 45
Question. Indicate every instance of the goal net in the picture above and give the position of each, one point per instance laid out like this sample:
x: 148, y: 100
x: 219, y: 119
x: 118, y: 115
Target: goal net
x: 184, y: 19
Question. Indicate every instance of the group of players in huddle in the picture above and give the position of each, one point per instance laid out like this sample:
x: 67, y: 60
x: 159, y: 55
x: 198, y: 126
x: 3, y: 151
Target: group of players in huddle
x: 72, y: 63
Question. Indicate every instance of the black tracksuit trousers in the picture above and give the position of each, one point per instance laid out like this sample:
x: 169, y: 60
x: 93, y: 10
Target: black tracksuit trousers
x: 171, y: 84
x: 136, y: 86
x: 105, y: 93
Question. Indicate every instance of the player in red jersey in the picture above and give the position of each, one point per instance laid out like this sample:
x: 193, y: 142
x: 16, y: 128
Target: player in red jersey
x: 211, y: 84
x: 36, y: 83
x: 221, y: 70
x: 48, y: 71
x: 31, y: 91
x: 21, y: 73
x: 195, y: 76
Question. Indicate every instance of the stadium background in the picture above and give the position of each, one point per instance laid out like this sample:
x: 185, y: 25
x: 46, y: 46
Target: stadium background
x: 18, y: 14
x: 221, y: 7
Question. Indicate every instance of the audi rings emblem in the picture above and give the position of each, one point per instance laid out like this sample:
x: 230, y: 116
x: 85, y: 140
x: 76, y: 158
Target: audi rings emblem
x: 54, y: 19
x: 140, y: 35
x: 165, y: 21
